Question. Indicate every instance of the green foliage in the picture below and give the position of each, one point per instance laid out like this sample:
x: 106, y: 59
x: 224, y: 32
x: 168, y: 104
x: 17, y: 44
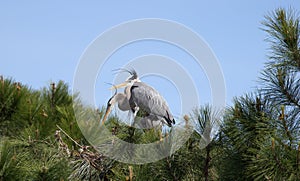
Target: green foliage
x: 29, y: 151
x: 282, y: 88
x: 261, y: 131
x: 11, y: 98
x: 247, y: 128
x: 283, y: 29
x: 8, y: 162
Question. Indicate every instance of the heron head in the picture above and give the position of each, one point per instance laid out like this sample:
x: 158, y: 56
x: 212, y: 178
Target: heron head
x: 110, y: 103
x: 133, y: 75
x: 132, y: 78
x: 108, y: 109
x: 129, y: 81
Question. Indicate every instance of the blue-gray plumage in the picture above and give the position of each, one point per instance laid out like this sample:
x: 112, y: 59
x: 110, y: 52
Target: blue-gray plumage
x: 138, y: 95
x: 148, y: 99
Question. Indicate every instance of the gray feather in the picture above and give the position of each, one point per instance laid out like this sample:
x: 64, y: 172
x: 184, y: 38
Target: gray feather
x: 148, y: 99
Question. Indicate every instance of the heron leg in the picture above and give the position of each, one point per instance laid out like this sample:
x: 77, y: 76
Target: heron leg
x: 130, y: 117
x: 134, y: 108
x: 135, y: 111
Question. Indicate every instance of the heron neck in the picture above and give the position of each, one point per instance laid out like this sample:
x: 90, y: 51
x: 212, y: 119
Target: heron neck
x: 123, y: 102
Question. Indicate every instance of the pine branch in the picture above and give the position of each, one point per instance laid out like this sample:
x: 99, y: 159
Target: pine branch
x: 283, y: 30
x: 87, y: 164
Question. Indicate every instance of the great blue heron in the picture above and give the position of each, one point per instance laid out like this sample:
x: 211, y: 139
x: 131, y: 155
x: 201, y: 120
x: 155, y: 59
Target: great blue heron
x: 147, y: 122
x: 138, y: 95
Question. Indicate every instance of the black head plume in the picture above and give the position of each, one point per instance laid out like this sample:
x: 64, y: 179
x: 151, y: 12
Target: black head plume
x: 131, y: 71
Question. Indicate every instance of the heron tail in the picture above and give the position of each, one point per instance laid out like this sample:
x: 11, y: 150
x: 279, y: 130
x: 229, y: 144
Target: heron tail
x: 169, y: 121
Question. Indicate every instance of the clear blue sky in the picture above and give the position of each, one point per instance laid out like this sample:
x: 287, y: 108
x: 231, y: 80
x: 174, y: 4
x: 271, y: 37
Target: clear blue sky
x: 42, y: 41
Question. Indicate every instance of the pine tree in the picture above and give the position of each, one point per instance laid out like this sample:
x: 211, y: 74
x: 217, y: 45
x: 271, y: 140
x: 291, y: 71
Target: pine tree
x: 281, y: 86
x: 247, y: 128
x: 261, y: 130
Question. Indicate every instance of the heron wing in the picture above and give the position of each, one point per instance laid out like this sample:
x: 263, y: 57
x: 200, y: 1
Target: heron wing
x: 148, y: 99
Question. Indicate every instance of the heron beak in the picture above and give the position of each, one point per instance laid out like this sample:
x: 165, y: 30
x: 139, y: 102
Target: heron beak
x: 108, y: 109
x: 119, y: 86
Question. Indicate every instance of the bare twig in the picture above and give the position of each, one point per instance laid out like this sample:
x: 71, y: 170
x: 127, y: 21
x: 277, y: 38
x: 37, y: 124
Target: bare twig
x: 69, y: 136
